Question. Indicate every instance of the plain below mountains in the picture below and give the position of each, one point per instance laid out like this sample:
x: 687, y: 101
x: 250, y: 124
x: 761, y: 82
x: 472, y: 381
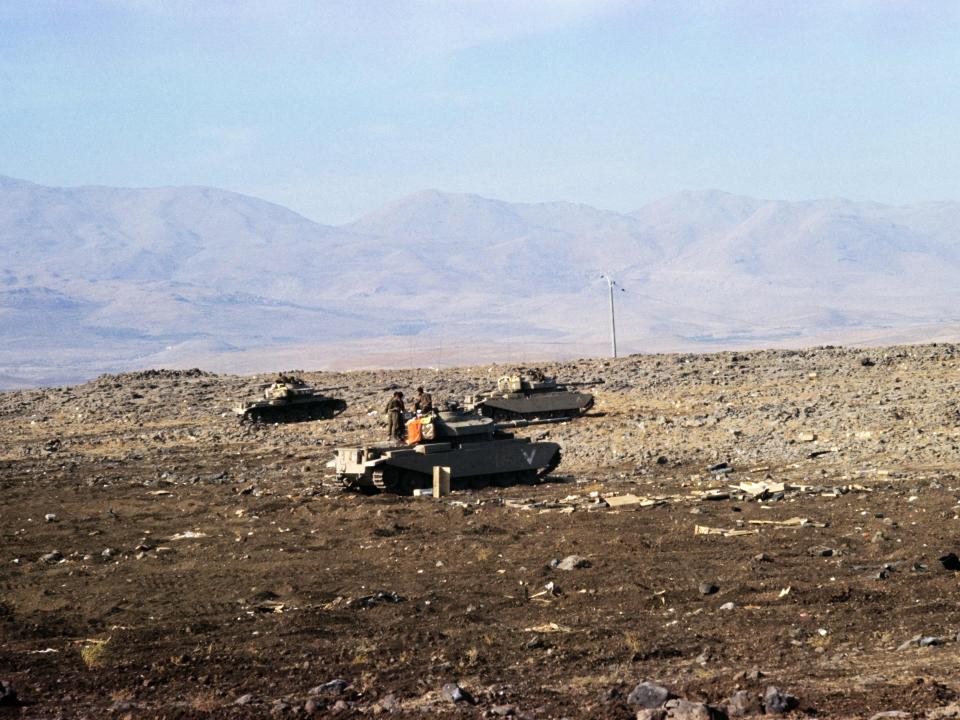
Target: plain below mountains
x: 98, y: 279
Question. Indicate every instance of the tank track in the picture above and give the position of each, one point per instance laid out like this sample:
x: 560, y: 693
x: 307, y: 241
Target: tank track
x: 501, y: 414
x: 303, y: 412
x: 554, y: 464
x: 404, y: 482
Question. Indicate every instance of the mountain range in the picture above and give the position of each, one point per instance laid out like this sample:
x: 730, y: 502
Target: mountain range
x: 97, y: 279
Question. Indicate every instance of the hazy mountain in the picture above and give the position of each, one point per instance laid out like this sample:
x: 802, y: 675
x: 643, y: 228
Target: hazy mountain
x: 118, y: 274
x: 688, y: 217
x: 96, y: 278
x: 523, y: 249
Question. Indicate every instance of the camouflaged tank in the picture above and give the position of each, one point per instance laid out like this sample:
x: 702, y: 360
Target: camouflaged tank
x: 290, y: 399
x: 532, y: 395
x: 478, y: 452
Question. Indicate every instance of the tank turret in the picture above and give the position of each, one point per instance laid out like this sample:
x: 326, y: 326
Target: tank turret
x: 290, y: 399
x: 478, y: 452
x: 529, y: 394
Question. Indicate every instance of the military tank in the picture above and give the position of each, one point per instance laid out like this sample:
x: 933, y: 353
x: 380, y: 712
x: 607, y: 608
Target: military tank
x: 529, y: 395
x: 290, y: 399
x: 478, y: 451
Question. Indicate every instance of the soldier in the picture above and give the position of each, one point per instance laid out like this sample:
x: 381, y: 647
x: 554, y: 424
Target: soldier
x: 395, y: 412
x: 424, y: 403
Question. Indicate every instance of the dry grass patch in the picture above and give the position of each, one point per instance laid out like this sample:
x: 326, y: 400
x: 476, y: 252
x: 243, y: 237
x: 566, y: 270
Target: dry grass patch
x: 93, y: 651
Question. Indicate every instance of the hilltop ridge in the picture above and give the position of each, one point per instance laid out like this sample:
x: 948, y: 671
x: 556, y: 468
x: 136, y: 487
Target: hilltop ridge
x: 102, y: 279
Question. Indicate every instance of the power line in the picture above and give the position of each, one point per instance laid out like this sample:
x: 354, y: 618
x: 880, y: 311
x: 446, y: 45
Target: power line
x: 611, y: 284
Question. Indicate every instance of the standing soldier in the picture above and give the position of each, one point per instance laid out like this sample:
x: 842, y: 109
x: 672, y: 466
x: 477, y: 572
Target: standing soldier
x: 395, y: 412
x: 423, y: 403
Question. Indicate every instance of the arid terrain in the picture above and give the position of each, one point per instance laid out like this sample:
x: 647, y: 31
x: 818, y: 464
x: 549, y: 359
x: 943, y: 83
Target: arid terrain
x: 740, y: 521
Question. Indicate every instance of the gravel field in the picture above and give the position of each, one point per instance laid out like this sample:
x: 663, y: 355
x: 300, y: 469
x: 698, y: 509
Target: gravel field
x: 771, y: 531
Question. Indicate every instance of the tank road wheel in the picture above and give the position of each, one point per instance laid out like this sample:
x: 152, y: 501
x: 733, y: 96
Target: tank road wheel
x: 387, y: 479
x: 264, y: 415
x: 406, y: 484
x: 411, y: 480
x: 375, y: 489
x: 332, y: 409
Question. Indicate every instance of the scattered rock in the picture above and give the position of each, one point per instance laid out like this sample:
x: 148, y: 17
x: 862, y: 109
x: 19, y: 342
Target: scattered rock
x: 744, y: 702
x: 611, y: 694
x: 52, y: 557
x: 919, y: 641
x: 820, y: 551
x: 649, y: 695
x: 456, y: 694
x: 386, y: 704
x: 50, y: 517
x: 728, y: 606
x: 708, y: 588
x: 950, y: 561
x: 188, y: 535
x: 279, y: 707
x: 686, y: 710
x: 776, y: 702
x: 890, y: 714
x: 334, y: 687
x: 244, y: 699
x: 375, y: 599
x: 948, y: 712
x: 8, y: 696
x: 312, y: 705
x: 651, y: 714
x: 806, y: 437
x: 573, y: 562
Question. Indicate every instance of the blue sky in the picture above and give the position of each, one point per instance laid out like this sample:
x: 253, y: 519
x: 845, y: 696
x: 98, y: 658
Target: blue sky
x: 333, y: 108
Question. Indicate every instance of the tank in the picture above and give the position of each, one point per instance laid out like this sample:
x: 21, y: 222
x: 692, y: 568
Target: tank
x: 478, y: 451
x: 530, y: 395
x: 290, y: 399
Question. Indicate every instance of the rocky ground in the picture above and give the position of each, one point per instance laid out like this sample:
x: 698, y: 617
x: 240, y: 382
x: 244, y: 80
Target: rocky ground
x: 754, y: 532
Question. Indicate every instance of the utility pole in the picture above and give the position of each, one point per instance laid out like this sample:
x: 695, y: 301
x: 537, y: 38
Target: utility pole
x: 611, y: 284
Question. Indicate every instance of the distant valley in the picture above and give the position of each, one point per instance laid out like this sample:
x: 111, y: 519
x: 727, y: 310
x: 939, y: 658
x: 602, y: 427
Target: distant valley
x: 98, y: 279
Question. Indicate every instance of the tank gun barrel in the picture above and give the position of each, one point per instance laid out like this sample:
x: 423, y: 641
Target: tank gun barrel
x: 264, y: 386
x: 503, y: 424
x: 583, y: 383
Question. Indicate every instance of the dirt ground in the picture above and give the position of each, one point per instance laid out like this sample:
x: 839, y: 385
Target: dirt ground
x: 159, y: 559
